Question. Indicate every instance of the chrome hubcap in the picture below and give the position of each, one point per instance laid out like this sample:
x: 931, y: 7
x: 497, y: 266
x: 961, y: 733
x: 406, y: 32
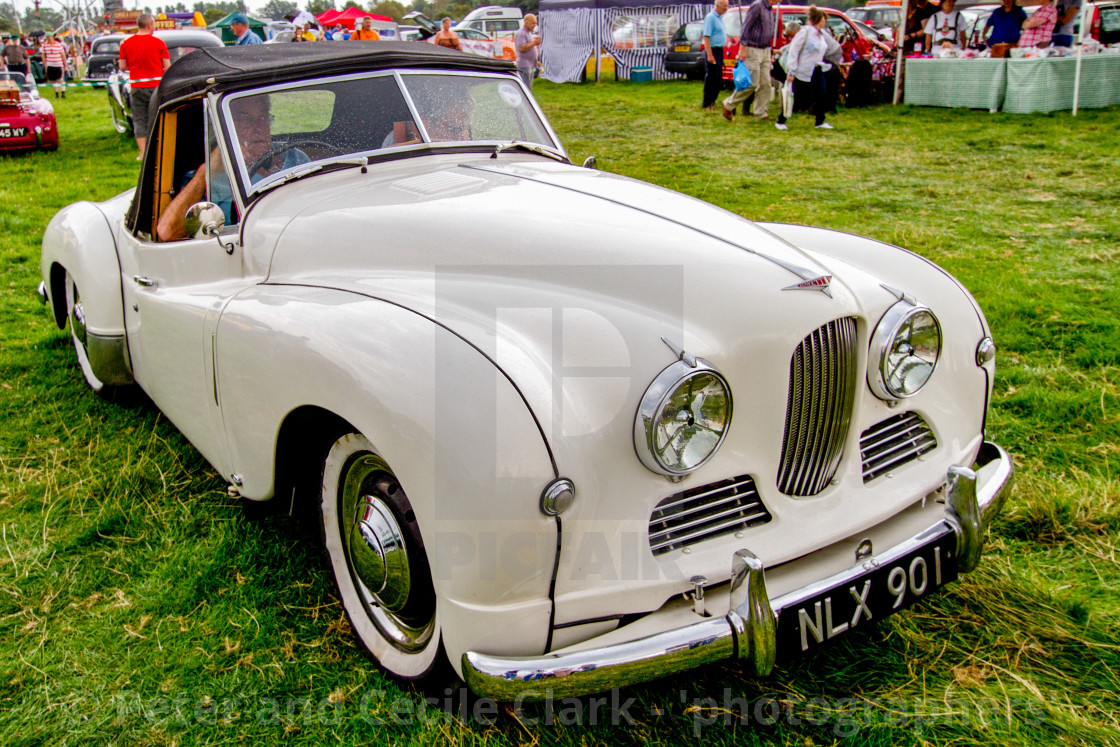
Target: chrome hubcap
x: 378, y: 553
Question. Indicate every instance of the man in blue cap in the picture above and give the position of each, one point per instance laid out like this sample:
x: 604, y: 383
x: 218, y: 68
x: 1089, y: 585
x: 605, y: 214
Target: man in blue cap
x: 240, y: 25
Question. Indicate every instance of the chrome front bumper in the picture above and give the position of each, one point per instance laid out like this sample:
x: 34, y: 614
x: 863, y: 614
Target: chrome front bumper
x: 749, y: 629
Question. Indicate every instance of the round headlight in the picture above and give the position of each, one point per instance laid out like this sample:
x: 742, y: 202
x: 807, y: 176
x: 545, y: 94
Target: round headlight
x: 683, y: 418
x: 906, y: 346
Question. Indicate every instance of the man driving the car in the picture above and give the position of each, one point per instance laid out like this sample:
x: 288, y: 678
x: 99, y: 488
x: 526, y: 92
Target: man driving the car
x: 252, y: 129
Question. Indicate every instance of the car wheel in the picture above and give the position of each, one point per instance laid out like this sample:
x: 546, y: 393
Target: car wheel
x: 120, y: 122
x: 375, y: 550
x: 75, y: 314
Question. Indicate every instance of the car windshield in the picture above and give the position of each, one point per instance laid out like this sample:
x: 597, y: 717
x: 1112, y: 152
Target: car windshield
x: 16, y: 78
x: 108, y: 46
x: 282, y: 129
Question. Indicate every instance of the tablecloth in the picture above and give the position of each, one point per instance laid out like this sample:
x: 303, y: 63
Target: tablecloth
x: 1046, y: 85
x: 969, y: 84
x: 1016, y: 85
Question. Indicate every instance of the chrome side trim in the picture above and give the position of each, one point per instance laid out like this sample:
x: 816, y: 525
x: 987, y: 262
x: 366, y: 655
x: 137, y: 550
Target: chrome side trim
x: 108, y: 359
x: 749, y: 630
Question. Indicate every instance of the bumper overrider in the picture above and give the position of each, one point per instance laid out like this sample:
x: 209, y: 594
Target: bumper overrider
x: 750, y: 629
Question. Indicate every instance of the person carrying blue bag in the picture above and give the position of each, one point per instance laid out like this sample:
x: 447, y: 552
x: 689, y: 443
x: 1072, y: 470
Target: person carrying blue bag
x: 755, y: 40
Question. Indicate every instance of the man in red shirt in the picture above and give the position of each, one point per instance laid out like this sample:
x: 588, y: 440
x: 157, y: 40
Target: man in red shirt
x: 144, y: 57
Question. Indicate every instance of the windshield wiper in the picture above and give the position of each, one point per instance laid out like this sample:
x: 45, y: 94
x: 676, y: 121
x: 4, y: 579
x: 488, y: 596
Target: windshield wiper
x: 532, y: 148
x: 293, y: 175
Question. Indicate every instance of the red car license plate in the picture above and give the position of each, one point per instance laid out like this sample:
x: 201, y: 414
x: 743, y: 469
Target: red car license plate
x: 6, y: 132
x: 877, y: 593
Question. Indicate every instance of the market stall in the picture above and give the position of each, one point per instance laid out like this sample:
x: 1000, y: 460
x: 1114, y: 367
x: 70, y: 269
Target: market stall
x: 1018, y: 85
x: 633, y: 32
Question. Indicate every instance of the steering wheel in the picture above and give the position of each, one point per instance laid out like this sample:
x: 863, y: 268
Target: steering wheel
x: 292, y: 145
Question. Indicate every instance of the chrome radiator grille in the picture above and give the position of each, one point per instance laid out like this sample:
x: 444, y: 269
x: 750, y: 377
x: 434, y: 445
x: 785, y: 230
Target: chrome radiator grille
x: 893, y: 442
x: 705, y: 512
x: 822, y: 384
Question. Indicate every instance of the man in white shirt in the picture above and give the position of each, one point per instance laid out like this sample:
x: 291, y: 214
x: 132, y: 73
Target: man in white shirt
x: 946, y: 25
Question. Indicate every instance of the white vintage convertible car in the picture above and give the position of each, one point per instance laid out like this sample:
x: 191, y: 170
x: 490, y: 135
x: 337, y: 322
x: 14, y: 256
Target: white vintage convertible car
x: 565, y: 430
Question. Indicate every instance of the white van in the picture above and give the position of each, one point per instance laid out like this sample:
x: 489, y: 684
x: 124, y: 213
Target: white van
x: 492, y: 20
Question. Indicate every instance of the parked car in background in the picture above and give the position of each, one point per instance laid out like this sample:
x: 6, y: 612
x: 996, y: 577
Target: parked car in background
x: 179, y: 43
x: 839, y: 25
x: 27, y: 120
x: 476, y: 42
x: 686, y: 54
x: 756, y: 439
x: 102, y: 60
x: 877, y: 16
x: 492, y: 20
x: 878, y: 38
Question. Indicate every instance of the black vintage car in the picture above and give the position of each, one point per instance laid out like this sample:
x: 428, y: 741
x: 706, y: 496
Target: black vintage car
x: 179, y: 42
x: 686, y: 52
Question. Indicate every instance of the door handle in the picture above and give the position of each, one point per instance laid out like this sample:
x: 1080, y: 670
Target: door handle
x: 145, y: 281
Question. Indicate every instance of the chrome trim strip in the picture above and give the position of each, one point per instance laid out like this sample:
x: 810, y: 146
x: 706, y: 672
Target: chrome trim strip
x: 747, y: 632
x: 659, y: 516
x: 41, y: 291
x: 108, y: 356
x: 708, y: 531
x: 698, y: 496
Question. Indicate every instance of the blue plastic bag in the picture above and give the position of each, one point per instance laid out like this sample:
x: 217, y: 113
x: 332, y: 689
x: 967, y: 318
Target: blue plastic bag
x: 742, y: 76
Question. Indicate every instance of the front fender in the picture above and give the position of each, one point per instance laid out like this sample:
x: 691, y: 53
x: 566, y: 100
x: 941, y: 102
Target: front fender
x: 79, y: 240
x: 455, y: 430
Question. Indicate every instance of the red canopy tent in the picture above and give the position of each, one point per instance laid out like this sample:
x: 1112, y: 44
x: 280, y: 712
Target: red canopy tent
x: 348, y: 17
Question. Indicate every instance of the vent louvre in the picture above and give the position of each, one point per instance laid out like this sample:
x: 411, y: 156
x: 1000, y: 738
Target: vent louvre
x: 893, y: 442
x: 705, y: 512
x: 822, y: 385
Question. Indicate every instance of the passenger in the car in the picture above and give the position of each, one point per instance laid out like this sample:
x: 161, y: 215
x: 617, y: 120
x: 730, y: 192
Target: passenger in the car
x: 252, y: 120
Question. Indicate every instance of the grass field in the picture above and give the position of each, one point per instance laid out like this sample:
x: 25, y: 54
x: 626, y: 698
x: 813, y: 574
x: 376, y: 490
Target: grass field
x: 139, y: 606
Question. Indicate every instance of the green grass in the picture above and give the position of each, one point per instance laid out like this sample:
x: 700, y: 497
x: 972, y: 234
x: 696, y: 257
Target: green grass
x: 139, y: 606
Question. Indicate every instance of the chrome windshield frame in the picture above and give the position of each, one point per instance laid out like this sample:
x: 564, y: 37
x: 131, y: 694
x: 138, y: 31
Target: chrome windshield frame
x: 246, y: 191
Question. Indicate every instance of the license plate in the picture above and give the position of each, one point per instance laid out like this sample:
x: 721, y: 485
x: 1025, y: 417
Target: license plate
x: 13, y: 132
x: 877, y: 593
x: 682, y: 48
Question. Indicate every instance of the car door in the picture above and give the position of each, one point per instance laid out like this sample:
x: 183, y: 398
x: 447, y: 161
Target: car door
x: 175, y: 292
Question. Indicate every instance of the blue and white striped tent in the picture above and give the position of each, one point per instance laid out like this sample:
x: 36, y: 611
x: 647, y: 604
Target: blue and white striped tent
x: 634, y: 33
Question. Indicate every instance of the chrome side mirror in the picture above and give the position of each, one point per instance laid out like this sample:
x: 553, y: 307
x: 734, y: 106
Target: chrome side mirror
x: 589, y: 162
x: 204, y: 220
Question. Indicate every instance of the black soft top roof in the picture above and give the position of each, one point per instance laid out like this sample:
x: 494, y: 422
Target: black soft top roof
x: 232, y: 68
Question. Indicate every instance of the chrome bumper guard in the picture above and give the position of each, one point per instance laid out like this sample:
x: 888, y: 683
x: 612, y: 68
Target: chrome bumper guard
x: 41, y: 291
x: 749, y: 630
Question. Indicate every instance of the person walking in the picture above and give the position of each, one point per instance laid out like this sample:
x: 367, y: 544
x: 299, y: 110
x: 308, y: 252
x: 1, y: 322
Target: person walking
x: 754, y: 49
x: 528, y: 46
x: 144, y: 57
x: 54, y: 59
x: 715, y: 37
x: 240, y: 26
x: 806, y: 55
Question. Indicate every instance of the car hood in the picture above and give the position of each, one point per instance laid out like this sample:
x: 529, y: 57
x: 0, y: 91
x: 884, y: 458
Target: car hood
x: 568, y: 278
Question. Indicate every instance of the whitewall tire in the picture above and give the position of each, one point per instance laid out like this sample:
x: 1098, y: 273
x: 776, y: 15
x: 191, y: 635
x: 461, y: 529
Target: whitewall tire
x: 377, y: 555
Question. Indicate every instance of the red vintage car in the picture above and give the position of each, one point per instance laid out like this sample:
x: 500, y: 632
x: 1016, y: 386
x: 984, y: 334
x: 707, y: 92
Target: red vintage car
x: 854, y: 42
x: 26, y: 120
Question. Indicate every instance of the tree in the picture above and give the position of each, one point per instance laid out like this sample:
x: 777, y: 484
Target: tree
x: 214, y: 14
x: 318, y: 7
x: 390, y: 8
x: 225, y: 6
x: 8, y: 16
x: 352, y: 4
x: 278, y: 8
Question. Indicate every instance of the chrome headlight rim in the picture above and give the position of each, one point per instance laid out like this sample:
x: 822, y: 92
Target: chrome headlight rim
x: 883, y: 340
x: 653, y: 404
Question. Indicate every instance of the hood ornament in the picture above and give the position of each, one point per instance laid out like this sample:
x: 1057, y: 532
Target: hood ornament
x: 821, y: 283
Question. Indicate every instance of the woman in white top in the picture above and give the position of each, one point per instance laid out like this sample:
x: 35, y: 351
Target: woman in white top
x: 806, y: 54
